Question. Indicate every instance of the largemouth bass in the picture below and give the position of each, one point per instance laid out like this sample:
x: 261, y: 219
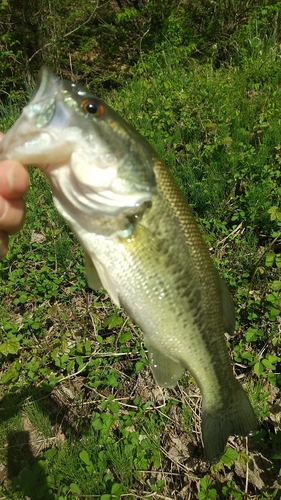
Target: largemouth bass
x: 141, y: 243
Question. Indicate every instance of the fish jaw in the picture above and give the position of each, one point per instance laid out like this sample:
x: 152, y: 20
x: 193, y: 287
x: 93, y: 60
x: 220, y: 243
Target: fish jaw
x: 31, y: 139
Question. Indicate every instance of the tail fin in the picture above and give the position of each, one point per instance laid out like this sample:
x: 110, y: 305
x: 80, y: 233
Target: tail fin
x: 220, y: 423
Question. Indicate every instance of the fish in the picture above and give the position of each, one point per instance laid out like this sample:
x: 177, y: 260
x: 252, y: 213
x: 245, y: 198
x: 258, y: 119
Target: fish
x: 141, y: 242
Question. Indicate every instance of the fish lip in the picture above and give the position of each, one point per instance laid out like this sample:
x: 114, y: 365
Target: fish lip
x: 46, y: 82
x: 42, y: 106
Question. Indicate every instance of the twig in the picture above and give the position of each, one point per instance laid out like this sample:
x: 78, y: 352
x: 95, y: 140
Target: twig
x: 148, y: 495
x: 74, y: 374
x: 236, y: 230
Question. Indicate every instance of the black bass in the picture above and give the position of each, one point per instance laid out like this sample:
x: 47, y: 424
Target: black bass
x: 141, y: 242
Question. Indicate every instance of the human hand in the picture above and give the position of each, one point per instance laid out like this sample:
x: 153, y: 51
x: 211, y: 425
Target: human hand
x: 14, y: 181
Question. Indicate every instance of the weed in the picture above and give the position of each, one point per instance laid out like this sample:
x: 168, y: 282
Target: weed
x: 206, y: 491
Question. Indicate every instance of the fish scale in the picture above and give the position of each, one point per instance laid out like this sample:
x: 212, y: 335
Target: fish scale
x: 141, y: 243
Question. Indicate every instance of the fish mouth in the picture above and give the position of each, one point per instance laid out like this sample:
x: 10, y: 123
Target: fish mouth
x: 47, y: 105
x: 35, y: 138
x: 42, y: 106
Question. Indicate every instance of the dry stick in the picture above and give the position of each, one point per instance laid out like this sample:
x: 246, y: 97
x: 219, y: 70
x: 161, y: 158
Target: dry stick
x: 236, y: 230
x: 148, y: 495
x: 99, y: 355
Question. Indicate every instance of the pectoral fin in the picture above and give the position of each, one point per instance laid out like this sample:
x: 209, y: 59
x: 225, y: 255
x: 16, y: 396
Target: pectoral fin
x: 166, y: 371
x: 93, y: 278
x: 98, y: 277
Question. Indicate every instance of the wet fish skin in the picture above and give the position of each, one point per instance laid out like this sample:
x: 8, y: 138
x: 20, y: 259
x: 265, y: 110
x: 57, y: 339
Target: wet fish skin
x: 141, y: 243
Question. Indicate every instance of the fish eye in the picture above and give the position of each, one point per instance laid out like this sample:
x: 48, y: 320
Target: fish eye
x: 93, y: 107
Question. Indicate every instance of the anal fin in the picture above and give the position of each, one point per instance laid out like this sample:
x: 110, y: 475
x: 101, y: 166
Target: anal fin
x: 166, y: 370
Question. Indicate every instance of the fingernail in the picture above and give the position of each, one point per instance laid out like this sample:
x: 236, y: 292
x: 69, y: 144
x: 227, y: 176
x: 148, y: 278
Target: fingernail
x: 3, y: 208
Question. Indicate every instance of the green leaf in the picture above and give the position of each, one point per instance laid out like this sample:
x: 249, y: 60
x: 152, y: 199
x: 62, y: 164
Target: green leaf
x: 275, y: 213
x: 22, y: 299
x: 205, y: 483
x: 243, y: 458
x: 268, y: 364
x: 11, y: 374
x: 278, y: 260
x: 276, y: 285
x: 88, y: 347
x: 51, y: 453
x: 11, y: 346
x: 273, y: 298
x: 229, y: 457
x: 247, y: 355
x: 113, y: 321
x: 84, y: 455
x: 251, y: 334
x: 117, y: 489
x: 112, y: 380
x: 269, y: 259
x: 35, y: 325
x: 212, y: 494
x: 114, y: 406
x: 271, y: 313
x: 125, y: 337
x: 258, y: 368
x: 273, y: 359
x: 64, y: 344
x: 139, y: 366
x: 74, y: 488
x: 231, y: 490
x: 97, y: 424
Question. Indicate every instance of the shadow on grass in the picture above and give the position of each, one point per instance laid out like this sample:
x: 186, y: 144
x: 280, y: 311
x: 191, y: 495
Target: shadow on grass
x: 24, y: 471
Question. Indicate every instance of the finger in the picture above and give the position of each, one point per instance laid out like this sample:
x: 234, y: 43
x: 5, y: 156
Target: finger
x: 3, y: 244
x: 12, y: 214
x: 14, y: 179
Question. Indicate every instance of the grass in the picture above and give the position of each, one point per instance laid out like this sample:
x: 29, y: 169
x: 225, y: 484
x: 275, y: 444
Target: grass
x: 81, y: 416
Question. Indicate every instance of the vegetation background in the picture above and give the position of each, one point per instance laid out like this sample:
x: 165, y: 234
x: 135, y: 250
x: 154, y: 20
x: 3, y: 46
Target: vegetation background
x: 81, y: 416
